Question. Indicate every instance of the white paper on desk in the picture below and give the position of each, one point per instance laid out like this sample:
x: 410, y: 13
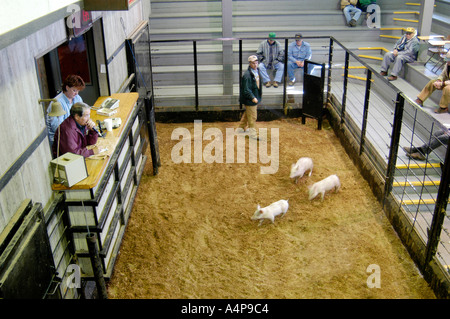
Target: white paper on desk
x: 98, y: 157
x: 106, y: 146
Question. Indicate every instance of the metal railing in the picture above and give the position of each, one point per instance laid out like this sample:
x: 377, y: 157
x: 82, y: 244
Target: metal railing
x: 381, y: 120
x: 192, y: 65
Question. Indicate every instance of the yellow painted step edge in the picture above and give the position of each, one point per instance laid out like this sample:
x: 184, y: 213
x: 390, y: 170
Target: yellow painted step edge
x: 357, y: 77
x: 389, y: 36
x: 414, y: 4
x: 429, y: 201
x: 421, y: 165
x: 405, y: 20
x: 355, y: 67
x: 374, y: 48
x: 417, y: 183
x: 370, y: 57
x: 406, y: 12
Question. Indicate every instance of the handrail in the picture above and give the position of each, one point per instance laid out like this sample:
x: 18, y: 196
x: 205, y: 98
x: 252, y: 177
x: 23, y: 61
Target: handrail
x: 402, y: 112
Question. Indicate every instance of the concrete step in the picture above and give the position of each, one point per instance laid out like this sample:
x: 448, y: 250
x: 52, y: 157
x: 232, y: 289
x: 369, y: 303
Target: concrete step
x: 418, y: 185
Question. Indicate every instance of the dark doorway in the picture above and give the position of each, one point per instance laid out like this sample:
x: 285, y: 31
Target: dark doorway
x: 76, y: 56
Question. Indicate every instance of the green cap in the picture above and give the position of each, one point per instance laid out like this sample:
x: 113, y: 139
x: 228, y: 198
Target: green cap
x: 272, y: 35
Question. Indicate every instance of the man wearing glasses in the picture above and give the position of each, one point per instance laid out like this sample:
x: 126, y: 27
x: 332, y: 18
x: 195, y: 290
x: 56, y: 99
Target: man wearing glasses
x: 76, y: 133
x: 405, y: 51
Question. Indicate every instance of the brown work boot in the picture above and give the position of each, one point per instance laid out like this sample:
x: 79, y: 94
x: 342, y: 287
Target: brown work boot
x: 392, y: 78
x: 419, y: 101
x: 408, y: 150
x: 417, y: 156
x: 441, y: 110
x: 275, y: 84
x: 268, y: 84
x: 383, y: 73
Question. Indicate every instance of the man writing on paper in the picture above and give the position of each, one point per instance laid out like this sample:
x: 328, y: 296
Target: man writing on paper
x: 76, y: 133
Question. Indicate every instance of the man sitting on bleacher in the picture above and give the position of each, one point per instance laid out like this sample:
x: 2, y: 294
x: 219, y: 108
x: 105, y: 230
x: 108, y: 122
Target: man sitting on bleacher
x: 441, y: 83
x: 298, y: 52
x: 405, y: 51
x: 271, y: 56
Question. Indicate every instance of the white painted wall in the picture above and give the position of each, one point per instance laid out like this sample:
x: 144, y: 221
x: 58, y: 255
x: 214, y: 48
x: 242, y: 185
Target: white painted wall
x: 16, y: 13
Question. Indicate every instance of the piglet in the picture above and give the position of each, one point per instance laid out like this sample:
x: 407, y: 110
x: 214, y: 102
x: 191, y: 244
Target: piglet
x: 269, y: 212
x: 327, y: 184
x: 303, y: 165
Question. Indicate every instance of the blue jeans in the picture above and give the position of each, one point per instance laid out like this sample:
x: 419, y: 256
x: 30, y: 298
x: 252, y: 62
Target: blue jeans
x: 279, y: 67
x: 291, y: 69
x: 351, y: 10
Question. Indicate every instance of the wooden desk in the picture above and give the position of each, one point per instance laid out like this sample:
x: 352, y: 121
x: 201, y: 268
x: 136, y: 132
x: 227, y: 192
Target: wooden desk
x: 429, y: 37
x: 438, y: 43
x: 96, y: 167
x: 102, y: 202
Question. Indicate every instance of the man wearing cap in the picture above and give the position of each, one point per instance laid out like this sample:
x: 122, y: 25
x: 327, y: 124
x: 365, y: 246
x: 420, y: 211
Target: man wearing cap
x: 298, y: 52
x: 271, y: 56
x: 405, y: 51
x: 250, y: 96
x: 441, y: 83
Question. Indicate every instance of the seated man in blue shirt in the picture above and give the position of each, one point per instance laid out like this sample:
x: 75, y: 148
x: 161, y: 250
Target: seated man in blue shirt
x: 298, y: 52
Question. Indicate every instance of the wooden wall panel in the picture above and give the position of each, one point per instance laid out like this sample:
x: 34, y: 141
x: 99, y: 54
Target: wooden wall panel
x: 114, y: 42
x: 23, y: 118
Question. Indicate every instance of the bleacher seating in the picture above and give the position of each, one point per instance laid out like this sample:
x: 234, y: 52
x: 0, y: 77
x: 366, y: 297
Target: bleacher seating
x: 200, y: 20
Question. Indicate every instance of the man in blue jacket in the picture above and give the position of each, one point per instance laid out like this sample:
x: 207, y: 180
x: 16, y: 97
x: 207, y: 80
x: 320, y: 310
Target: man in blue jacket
x: 298, y: 52
x: 250, y: 96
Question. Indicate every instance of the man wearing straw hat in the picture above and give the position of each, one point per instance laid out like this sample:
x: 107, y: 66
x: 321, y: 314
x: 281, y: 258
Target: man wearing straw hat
x: 441, y: 83
x: 405, y: 51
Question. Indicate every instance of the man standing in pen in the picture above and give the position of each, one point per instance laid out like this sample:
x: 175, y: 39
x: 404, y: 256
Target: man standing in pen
x: 250, y: 97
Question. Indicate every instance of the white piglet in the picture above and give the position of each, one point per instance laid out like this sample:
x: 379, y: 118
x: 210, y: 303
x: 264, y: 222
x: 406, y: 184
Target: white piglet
x: 269, y: 212
x: 325, y: 185
x: 303, y: 165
